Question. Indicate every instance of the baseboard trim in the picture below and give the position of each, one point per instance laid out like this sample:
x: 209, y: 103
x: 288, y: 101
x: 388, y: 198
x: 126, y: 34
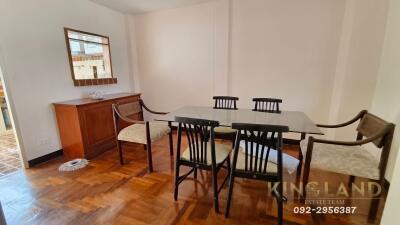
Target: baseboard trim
x: 45, y: 158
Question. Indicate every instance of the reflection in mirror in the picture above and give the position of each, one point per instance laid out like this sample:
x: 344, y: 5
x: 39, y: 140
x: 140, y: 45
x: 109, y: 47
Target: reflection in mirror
x: 89, y: 58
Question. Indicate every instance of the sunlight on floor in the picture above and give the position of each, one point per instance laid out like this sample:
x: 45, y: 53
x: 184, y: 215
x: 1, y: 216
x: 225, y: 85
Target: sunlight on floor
x: 9, y: 156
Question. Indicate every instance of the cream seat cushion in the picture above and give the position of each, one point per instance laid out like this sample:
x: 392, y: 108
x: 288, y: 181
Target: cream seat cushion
x: 350, y: 160
x: 224, y: 130
x: 240, y: 164
x: 221, y: 153
x: 136, y: 133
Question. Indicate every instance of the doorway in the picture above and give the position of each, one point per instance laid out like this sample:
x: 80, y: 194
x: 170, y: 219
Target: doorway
x: 10, y: 159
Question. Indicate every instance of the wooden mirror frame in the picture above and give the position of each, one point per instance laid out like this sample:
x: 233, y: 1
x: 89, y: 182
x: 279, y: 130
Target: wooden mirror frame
x: 88, y: 82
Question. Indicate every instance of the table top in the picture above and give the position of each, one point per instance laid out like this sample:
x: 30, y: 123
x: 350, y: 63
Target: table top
x: 296, y: 121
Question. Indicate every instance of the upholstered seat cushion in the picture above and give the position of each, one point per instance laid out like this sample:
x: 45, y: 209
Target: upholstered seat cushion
x: 350, y: 160
x: 136, y: 133
x: 221, y: 153
x: 240, y: 164
x: 224, y: 130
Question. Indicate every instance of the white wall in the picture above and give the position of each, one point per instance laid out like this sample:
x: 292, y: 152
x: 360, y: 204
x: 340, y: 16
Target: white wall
x: 286, y: 50
x: 391, y: 210
x: 358, y: 61
x: 321, y: 57
x: 386, y: 102
x: 188, y: 54
x: 35, y: 63
x: 176, y: 54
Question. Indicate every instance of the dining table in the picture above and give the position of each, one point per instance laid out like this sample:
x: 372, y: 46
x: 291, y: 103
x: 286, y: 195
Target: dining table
x: 297, y: 121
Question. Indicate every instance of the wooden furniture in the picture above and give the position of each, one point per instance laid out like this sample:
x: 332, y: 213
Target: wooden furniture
x: 86, y: 125
x: 297, y: 122
x: 203, y: 153
x: 138, y: 131
x: 267, y: 105
x: 227, y: 103
x: 349, y: 157
x: 253, y: 162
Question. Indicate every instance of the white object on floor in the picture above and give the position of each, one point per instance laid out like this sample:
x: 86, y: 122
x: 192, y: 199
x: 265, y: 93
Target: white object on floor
x: 290, y: 163
x: 72, y: 165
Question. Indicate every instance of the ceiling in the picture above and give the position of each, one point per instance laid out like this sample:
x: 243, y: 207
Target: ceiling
x: 142, y: 6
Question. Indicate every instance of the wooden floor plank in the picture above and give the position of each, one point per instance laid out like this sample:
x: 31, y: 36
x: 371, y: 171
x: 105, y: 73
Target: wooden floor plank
x: 107, y: 193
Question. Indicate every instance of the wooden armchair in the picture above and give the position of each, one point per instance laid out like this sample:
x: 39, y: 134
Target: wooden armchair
x: 349, y: 157
x: 135, y: 130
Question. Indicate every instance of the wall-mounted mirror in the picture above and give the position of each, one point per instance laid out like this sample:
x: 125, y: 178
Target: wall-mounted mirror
x: 89, y: 58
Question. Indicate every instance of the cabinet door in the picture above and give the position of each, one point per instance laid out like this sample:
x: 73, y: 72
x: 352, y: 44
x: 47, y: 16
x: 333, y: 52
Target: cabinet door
x: 97, y: 123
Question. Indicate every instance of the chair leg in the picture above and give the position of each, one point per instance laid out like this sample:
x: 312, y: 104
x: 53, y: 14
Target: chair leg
x: 306, y: 174
x: 299, y: 168
x: 280, y: 203
x: 351, y: 181
x: 300, y: 158
x: 230, y: 190
x: 280, y: 212
x: 228, y: 164
x: 176, y: 180
x: 121, y: 157
x: 373, y: 209
x: 215, y: 189
x: 171, y: 145
x: 149, y: 157
x: 195, y: 173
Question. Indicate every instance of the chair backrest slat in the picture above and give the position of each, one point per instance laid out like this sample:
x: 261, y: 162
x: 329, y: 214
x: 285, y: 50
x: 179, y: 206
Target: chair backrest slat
x: 258, y: 142
x: 225, y: 102
x: 199, y: 133
x: 267, y: 105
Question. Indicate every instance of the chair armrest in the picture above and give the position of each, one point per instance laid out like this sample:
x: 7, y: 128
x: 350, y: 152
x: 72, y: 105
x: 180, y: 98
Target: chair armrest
x: 149, y: 110
x: 349, y: 143
x: 359, y: 116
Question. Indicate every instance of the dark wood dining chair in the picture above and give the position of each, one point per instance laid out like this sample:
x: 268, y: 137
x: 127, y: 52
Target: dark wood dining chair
x: 225, y: 102
x: 351, y: 157
x: 253, y: 162
x: 267, y: 105
x: 229, y: 103
x: 135, y: 130
x: 202, y: 153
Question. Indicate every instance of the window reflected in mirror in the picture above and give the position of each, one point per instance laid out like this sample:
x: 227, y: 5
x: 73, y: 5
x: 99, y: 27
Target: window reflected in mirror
x: 89, y: 58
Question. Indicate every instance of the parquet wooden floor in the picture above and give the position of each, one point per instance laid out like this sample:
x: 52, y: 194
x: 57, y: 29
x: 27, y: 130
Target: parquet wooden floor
x: 107, y: 193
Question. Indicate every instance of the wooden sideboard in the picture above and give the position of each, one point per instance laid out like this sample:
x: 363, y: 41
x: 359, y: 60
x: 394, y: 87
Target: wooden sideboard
x: 86, y: 126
